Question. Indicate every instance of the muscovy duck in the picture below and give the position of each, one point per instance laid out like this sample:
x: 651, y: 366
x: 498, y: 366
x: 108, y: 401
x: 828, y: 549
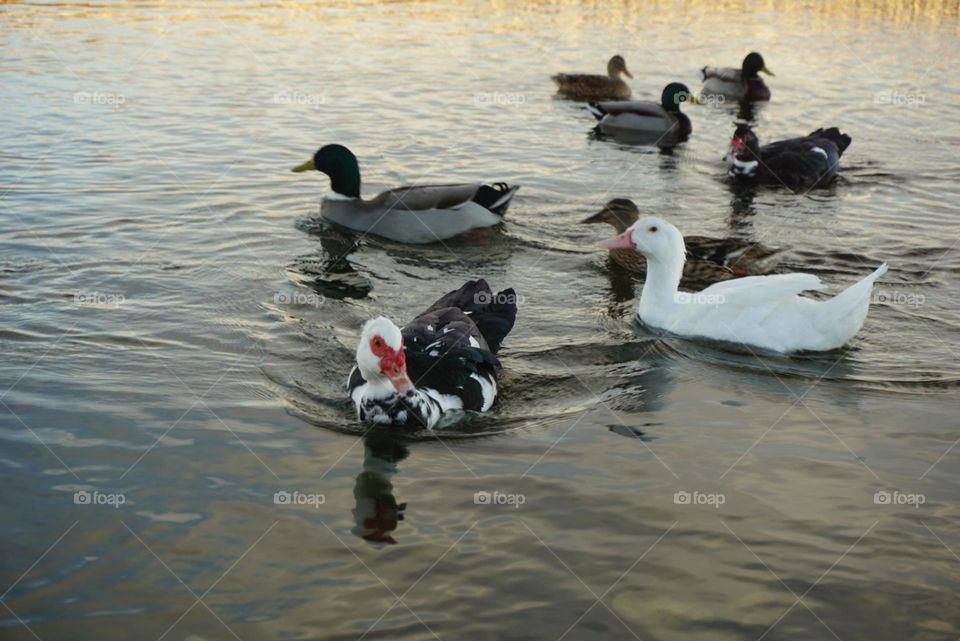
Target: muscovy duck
x: 443, y: 360
x: 798, y: 163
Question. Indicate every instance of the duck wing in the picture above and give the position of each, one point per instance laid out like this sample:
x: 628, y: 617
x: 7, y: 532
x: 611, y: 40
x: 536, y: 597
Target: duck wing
x: 727, y: 74
x: 450, y: 347
x: 742, y: 257
x: 636, y: 107
x: 492, y: 314
x: 424, y: 197
x: 586, y: 81
x: 766, y: 291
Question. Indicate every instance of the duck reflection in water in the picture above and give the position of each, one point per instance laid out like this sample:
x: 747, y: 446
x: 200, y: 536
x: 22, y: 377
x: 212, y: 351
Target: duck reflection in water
x: 377, y: 512
x: 333, y: 275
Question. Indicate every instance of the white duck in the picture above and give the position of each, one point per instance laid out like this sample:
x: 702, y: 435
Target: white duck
x: 761, y: 311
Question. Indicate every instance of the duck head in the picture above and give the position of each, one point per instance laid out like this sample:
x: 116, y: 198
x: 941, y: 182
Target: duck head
x: 655, y: 238
x: 617, y: 66
x: 380, y: 356
x: 744, y: 151
x: 339, y: 163
x: 752, y: 65
x: 619, y: 213
x: 675, y: 94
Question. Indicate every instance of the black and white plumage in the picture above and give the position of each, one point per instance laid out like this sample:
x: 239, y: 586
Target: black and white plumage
x: 799, y: 163
x: 442, y: 361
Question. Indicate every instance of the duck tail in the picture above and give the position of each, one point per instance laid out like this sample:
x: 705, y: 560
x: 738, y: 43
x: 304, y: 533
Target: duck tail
x: 495, y: 197
x: 846, y: 312
x: 597, y: 111
x: 492, y: 313
x: 841, y: 140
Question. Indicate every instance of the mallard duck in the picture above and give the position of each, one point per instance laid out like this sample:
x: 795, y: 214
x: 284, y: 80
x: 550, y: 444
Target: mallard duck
x: 766, y: 312
x: 417, y: 215
x: 709, y: 260
x: 584, y: 86
x: 798, y: 163
x: 444, y: 360
x: 639, y: 115
x: 738, y: 84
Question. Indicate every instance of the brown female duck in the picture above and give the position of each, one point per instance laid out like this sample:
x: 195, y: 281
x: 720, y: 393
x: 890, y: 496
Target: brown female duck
x: 583, y: 86
x: 709, y: 260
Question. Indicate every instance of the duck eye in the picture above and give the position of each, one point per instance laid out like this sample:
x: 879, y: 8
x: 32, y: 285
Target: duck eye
x: 654, y: 228
x: 377, y: 343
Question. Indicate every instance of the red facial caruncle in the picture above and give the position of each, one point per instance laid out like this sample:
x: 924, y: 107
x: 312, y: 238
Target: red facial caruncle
x: 393, y: 364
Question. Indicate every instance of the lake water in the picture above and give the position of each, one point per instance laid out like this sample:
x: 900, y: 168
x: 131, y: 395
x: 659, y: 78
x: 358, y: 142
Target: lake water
x: 179, y: 459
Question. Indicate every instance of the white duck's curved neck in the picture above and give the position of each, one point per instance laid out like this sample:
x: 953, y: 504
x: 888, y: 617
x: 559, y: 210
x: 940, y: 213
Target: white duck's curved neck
x: 659, y: 295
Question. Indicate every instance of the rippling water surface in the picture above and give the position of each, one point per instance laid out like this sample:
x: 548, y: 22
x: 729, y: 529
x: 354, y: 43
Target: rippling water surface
x: 177, y: 328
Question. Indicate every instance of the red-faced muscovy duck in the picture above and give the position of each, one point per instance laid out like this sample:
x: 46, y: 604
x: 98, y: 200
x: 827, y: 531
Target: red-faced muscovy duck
x: 743, y: 84
x: 444, y: 360
x: 798, y: 163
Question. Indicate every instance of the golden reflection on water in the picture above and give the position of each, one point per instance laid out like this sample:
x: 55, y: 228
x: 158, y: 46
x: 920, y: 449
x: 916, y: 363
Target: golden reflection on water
x: 928, y: 13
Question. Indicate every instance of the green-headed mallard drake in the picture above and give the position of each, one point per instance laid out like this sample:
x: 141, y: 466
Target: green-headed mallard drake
x: 709, y: 260
x: 639, y: 115
x: 584, y: 86
x: 416, y: 215
x: 798, y: 163
x: 738, y: 84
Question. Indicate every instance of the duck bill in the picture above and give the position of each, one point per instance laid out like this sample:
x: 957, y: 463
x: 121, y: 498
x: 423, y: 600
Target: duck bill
x: 623, y: 241
x: 401, y: 382
x: 627, y: 73
x: 307, y: 166
x: 767, y: 71
x: 697, y: 99
x: 595, y: 218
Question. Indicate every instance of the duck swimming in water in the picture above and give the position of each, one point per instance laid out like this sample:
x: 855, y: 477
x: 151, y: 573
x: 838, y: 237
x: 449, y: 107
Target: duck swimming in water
x: 417, y: 215
x: 649, y: 117
x: 743, y: 84
x: 708, y: 260
x: 798, y: 163
x: 765, y: 312
x: 442, y: 361
x: 582, y: 86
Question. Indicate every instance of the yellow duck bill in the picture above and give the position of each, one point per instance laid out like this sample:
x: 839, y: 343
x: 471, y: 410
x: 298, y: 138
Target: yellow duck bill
x: 307, y: 166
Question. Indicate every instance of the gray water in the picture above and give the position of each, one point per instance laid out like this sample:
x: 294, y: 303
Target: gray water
x: 177, y: 329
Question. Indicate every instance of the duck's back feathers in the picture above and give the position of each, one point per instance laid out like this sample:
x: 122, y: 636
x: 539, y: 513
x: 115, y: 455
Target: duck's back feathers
x: 492, y: 314
x: 725, y: 74
x: 425, y: 197
x: 591, y: 87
